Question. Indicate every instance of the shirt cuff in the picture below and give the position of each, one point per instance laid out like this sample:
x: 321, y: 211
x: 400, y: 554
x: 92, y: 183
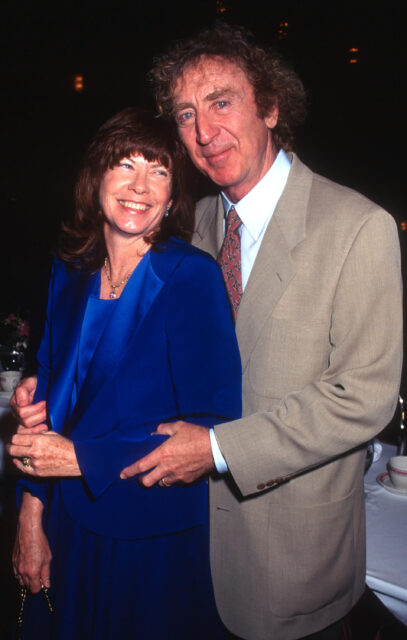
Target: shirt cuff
x: 220, y: 462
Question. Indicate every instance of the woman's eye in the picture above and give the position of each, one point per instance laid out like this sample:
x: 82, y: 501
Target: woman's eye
x: 125, y: 165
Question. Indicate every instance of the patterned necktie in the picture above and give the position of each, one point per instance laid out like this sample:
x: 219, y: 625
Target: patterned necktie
x: 229, y: 260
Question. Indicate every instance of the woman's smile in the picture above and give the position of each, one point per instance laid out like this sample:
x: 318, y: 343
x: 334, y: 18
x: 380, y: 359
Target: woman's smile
x: 148, y: 183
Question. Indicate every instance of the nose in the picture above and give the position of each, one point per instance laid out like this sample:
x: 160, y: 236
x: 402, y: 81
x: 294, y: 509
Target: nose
x: 206, y: 129
x: 139, y: 182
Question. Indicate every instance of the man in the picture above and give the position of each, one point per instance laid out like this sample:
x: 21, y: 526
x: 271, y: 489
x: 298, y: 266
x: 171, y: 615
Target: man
x: 318, y: 318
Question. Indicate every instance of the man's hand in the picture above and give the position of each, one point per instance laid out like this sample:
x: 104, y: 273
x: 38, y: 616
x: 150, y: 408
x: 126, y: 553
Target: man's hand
x: 184, y: 457
x: 44, y: 455
x: 30, y: 416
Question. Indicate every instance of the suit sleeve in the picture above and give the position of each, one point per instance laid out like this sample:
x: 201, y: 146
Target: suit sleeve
x: 204, y: 365
x: 355, y: 396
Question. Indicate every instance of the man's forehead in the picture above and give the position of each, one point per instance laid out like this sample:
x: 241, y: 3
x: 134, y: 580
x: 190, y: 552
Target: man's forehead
x: 209, y: 74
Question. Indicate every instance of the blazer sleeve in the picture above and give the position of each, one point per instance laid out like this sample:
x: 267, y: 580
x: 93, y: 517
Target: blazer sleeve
x: 355, y: 396
x: 205, y: 371
x: 202, y: 346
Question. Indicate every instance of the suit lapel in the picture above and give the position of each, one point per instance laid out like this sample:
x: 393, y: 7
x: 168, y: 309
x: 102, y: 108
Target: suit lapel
x: 210, y: 228
x: 274, y: 266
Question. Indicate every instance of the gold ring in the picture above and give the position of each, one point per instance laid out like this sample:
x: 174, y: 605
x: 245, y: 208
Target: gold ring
x: 163, y: 483
x: 27, y: 463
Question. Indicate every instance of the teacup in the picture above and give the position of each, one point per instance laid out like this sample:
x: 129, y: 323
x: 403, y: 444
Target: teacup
x: 398, y: 472
x: 9, y: 380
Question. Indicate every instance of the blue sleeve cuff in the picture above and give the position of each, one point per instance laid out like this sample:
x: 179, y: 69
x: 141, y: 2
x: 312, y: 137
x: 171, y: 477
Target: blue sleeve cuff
x: 220, y: 462
x: 37, y: 487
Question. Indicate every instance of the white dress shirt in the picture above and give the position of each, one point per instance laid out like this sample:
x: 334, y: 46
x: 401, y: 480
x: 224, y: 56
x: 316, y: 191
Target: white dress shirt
x: 255, y: 211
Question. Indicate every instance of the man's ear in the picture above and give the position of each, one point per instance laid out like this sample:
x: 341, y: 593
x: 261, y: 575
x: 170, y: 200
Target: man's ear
x: 272, y: 118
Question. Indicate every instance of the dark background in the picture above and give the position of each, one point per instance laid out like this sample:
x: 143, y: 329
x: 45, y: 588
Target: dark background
x: 354, y: 134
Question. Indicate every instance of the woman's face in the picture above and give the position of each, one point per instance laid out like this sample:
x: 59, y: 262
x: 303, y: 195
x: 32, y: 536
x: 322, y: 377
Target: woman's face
x: 134, y: 195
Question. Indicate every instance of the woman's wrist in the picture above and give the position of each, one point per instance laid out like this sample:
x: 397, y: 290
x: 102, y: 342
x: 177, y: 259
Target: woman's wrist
x: 31, y: 509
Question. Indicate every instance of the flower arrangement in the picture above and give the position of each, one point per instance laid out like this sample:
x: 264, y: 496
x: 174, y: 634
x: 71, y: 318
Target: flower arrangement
x: 14, y: 333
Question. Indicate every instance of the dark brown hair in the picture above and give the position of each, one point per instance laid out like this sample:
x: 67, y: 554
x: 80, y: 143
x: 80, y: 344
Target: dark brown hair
x: 128, y: 132
x: 273, y: 81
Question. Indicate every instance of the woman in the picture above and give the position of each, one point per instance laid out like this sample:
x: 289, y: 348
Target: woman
x: 138, y: 332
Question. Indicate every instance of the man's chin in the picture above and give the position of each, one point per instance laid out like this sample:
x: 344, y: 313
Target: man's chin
x: 220, y: 175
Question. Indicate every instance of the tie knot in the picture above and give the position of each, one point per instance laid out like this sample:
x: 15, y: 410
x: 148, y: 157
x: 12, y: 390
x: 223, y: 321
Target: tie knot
x: 233, y: 221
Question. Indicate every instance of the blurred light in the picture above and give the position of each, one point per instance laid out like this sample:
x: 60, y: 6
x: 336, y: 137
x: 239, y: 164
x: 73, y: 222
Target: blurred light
x: 403, y: 226
x: 282, y: 30
x: 78, y: 83
x: 220, y: 7
x: 354, y: 52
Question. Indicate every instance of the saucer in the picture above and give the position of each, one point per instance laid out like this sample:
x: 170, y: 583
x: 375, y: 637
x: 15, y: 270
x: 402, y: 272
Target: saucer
x: 384, y: 480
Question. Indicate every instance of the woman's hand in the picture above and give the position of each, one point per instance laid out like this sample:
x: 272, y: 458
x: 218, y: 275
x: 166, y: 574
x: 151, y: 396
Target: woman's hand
x: 28, y: 415
x: 31, y: 553
x: 44, y: 455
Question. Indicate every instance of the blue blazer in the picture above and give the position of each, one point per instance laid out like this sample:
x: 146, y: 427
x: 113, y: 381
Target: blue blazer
x: 167, y: 352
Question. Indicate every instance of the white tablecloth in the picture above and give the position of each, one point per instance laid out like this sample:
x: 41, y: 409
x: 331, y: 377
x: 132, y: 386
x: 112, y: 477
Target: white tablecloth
x: 386, y: 521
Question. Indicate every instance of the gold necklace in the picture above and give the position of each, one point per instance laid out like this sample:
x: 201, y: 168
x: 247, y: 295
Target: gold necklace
x: 113, y: 287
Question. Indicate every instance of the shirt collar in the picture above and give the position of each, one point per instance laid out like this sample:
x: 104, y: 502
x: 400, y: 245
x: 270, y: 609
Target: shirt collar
x: 257, y: 206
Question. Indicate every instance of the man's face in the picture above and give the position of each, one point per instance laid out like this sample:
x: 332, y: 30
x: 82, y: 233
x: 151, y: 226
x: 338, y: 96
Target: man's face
x: 217, y: 120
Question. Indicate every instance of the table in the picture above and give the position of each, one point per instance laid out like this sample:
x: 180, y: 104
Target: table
x: 386, y: 538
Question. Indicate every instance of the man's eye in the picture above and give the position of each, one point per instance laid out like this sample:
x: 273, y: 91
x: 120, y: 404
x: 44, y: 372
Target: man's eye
x: 185, y: 118
x: 221, y: 104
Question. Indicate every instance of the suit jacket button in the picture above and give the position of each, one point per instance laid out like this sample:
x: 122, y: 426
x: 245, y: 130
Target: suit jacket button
x: 261, y: 486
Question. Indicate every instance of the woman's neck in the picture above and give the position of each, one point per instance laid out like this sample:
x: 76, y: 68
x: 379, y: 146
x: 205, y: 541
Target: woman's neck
x: 123, y: 256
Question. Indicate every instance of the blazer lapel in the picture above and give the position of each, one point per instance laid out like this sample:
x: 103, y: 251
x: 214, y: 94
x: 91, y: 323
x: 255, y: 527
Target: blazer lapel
x: 132, y: 306
x: 75, y: 290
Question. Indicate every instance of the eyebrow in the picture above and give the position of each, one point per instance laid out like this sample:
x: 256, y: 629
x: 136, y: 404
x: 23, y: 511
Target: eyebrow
x: 217, y: 93
x: 154, y: 163
x: 160, y: 164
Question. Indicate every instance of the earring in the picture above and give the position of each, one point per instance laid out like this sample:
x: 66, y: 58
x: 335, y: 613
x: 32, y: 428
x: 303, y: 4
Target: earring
x: 166, y: 213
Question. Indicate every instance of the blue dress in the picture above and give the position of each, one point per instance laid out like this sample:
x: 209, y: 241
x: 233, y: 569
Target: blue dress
x: 106, y: 587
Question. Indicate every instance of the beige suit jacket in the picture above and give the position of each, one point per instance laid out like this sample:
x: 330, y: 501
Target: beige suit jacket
x: 320, y: 334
